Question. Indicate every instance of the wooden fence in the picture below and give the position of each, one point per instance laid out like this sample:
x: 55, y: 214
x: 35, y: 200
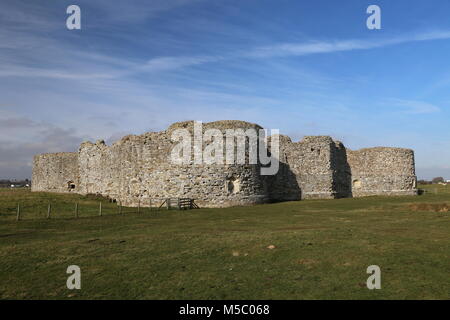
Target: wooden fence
x: 52, y: 210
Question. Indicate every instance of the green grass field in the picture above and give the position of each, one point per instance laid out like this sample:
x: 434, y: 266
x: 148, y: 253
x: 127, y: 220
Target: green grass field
x: 322, y: 249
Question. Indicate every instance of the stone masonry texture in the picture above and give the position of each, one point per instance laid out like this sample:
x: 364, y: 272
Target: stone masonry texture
x: 138, y: 168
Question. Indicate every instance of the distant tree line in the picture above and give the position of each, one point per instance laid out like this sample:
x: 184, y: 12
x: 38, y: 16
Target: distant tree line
x: 433, y: 181
x: 7, y: 183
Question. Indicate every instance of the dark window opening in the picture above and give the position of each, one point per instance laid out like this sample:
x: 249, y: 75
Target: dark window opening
x: 232, y: 185
x: 71, y: 185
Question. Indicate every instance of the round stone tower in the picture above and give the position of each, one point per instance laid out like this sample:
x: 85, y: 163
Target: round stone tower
x: 136, y: 169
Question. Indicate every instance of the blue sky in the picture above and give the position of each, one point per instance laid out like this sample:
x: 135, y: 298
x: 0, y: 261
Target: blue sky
x: 304, y: 67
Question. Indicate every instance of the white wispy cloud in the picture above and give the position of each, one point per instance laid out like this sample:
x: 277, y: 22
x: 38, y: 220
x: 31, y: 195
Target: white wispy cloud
x: 137, y: 10
x: 67, y: 83
x: 118, y: 67
x: 18, y: 71
x: 414, y: 107
x: 316, y: 47
x: 169, y: 63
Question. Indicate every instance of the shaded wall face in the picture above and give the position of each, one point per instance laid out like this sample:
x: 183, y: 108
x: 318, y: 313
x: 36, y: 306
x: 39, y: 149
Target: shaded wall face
x: 283, y: 186
x: 342, y: 176
x: 56, y: 172
x: 318, y: 167
x: 305, y: 170
x: 314, y: 168
x: 382, y: 171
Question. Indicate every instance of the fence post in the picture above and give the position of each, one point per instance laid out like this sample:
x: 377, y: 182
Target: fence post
x: 100, y: 209
x: 120, y: 207
x: 49, y: 209
x: 168, y: 203
x: 139, y: 205
x: 76, y: 209
x: 150, y: 208
x: 18, y: 212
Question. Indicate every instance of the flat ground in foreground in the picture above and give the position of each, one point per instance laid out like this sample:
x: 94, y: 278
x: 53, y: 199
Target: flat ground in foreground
x: 322, y: 250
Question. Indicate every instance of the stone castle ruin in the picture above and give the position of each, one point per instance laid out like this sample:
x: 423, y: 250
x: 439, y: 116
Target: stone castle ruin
x: 138, y: 168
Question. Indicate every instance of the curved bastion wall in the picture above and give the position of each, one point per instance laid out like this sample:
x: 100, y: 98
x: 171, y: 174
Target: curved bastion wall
x: 138, y: 168
x: 382, y: 171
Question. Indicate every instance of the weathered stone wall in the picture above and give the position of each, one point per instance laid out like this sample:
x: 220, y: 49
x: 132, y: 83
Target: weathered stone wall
x: 342, y: 174
x: 55, y: 172
x: 306, y: 169
x: 284, y: 186
x: 138, y: 168
x: 318, y: 167
x: 382, y: 171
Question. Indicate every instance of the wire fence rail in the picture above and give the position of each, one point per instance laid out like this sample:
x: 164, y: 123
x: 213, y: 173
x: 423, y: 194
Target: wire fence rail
x: 30, y: 210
